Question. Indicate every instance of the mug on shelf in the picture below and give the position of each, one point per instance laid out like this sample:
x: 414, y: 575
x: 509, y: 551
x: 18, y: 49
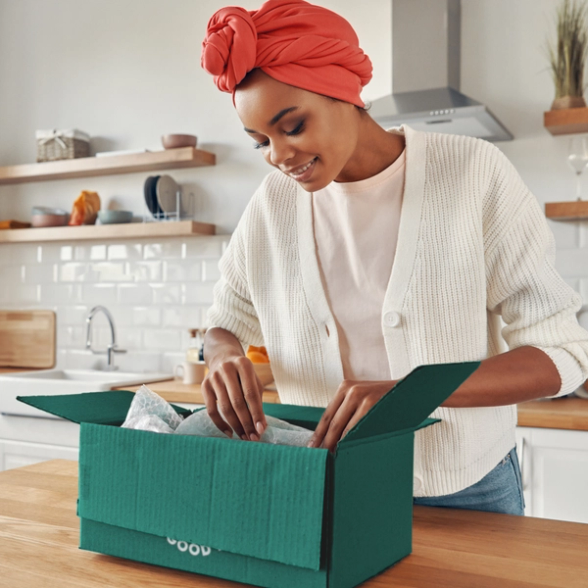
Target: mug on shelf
x: 191, y: 372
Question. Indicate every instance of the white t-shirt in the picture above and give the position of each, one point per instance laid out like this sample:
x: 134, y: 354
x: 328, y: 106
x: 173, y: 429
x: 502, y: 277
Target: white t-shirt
x: 356, y: 231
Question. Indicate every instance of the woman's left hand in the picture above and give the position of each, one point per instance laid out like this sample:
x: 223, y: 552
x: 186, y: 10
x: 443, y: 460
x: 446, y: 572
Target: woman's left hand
x: 351, y: 402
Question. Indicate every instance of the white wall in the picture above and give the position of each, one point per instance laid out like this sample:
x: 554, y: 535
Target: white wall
x: 127, y: 71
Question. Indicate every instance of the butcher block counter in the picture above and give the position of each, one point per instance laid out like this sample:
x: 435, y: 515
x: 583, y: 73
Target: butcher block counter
x: 562, y: 413
x: 39, y: 534
x: 177, y: 391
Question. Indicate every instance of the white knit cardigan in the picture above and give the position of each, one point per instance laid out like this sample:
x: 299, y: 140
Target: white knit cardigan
x: 473, y: 244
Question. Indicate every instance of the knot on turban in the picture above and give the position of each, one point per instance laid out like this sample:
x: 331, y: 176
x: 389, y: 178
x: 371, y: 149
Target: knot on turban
x: 292, y: 41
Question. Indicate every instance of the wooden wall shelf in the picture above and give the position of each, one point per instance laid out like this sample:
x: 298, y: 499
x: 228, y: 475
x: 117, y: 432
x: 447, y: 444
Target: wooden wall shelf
x: 566, y: 121
x: 567, y: 210
x: 109, y: 232
x: 108, y: 165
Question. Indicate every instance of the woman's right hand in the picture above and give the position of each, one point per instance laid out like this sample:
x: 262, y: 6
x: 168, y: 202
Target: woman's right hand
x: 232, y: 391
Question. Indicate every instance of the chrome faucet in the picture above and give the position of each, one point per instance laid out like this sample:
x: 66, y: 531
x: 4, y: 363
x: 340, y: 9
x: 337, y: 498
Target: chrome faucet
x: 112, y: 348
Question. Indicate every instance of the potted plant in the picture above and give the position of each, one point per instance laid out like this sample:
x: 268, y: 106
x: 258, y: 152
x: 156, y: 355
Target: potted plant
x: 568, y: 56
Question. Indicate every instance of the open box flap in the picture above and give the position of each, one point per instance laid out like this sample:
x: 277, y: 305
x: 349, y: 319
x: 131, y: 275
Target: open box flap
x: 412, y: 399
x: 103, y: 408
x: 254, y: 499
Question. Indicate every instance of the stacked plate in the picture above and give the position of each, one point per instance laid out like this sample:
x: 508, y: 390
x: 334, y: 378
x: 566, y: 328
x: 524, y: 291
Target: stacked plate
x: 161, y: 195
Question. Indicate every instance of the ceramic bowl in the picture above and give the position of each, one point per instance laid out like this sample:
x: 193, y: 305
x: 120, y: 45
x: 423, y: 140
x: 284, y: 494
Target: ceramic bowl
x: 175, y: 141
x: 49, y: 220
x: 48, y: 210
x: 114, y: 217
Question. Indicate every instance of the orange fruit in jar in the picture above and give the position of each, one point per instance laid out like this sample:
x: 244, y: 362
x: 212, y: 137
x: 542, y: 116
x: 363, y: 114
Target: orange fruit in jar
x: 257, y: 354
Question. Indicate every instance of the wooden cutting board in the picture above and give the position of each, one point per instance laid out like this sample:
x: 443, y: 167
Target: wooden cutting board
x: 27, y: 338
x: 13, y: 224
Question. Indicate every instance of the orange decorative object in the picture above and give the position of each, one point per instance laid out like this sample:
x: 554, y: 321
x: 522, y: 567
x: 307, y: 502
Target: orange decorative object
x: 257, y: 354
x: 85, y: 208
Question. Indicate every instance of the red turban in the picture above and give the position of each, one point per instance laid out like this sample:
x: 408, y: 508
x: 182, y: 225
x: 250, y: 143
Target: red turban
x: 292, y: 41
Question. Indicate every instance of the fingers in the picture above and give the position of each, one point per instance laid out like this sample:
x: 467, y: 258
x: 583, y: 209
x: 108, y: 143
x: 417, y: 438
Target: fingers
x: 325, y: 422
x: 350, y: 404
x: 253, y: 393
x: 210, y: 400
x: 234, y: 389
x: 337, y: 426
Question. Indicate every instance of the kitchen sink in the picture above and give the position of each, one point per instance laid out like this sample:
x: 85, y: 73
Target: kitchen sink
x: 49, y: 382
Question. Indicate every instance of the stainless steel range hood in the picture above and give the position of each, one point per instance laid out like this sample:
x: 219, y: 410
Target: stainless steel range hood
x: 426, y: 54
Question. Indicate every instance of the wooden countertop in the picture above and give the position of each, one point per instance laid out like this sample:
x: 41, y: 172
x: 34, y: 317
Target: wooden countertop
x: 39, y: 534
x: 177, y: 391
x: 562, y: 413
x: 11, y: 370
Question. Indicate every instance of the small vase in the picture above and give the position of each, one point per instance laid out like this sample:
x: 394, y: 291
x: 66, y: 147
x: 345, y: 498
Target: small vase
x: 568, y: 102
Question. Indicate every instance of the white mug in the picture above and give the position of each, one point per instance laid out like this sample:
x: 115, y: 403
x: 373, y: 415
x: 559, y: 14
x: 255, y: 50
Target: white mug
x: 192, y: 373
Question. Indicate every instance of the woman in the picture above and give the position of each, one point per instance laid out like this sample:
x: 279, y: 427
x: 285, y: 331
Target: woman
x: 370, y: 252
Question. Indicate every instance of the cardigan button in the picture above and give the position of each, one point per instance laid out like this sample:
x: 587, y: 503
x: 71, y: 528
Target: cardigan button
x: 392, y: 319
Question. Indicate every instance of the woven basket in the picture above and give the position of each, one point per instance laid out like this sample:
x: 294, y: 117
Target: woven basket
x: 61, y: 146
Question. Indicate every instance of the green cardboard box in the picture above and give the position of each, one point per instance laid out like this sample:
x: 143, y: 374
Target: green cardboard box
x: 269, y: 515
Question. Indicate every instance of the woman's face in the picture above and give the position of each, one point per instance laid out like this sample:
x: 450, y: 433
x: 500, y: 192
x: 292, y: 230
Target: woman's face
x: 305, y: 135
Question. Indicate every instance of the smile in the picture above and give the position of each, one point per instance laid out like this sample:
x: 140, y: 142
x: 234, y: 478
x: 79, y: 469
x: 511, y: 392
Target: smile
x: 304, y: 172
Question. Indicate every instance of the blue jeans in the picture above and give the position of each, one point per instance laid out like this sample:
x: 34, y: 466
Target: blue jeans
x: 501, y: 490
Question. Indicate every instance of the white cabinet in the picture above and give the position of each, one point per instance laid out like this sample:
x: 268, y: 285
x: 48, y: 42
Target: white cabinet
x: 27, y: 440
x: 554, y: 467
x: 15, y: 454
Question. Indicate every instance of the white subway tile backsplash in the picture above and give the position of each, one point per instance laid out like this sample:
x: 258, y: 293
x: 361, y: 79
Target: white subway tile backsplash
x: 129, y: 338
x: 66, y: 253
x: 125, y: 252
x: 82, y: 359
x: 567, y: 235
x: 40, y: 273
x: 145, y: 271
x: 147, y: 316
x: 90, y: 252
x: 572, y: 263
x: 162, y: 339
x: 154, y: 291
x: 168, y: 294
x: 25, y: 295
x: 184, y: 317
x: 583, y: 232
x: 169, y: 361
x: 139, y: 361
x: 108, y: 271
x: 199, y: 293
x: 169, y: 249
x: 104, y: 294
x: 204, y: 247
x: 121, y: 315
x: 73, y: 272
x: 71, y: 337
x: 72, y: 315
x: 52, y: 294
x: 12, y: 274
x: 210, y: 271
x: 20, y: 253
x: 187, y: 270
x: 54, y: 252
x: 573, y: 283
x: 135, y: 294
